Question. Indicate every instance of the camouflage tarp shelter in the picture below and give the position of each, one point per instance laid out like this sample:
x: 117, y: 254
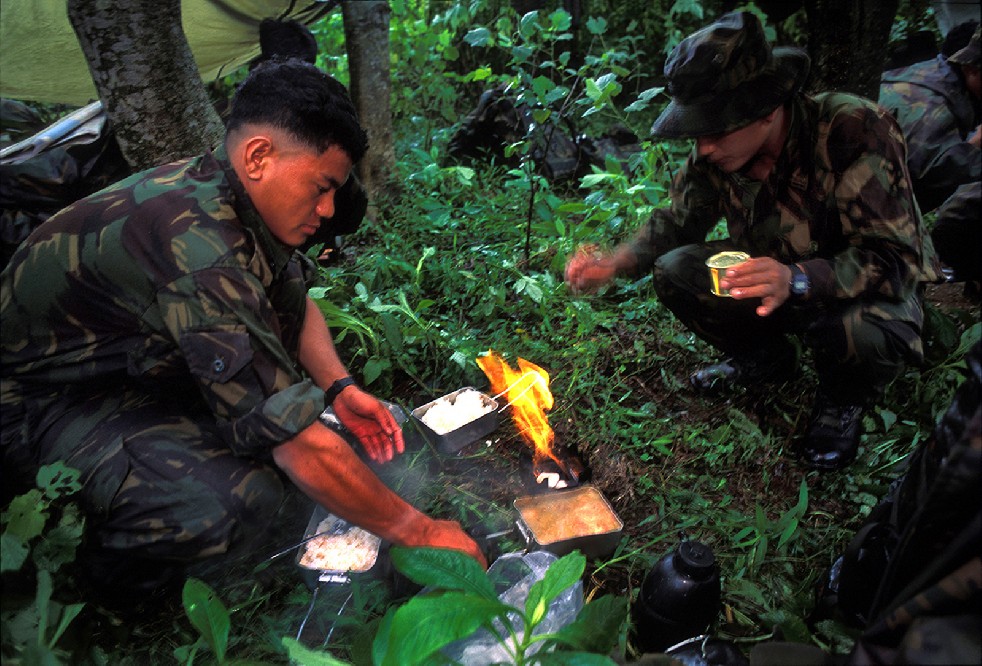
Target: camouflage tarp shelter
x: 41, y: 60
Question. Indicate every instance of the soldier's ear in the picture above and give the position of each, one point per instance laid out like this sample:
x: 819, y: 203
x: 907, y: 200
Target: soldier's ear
x: 256, y: 151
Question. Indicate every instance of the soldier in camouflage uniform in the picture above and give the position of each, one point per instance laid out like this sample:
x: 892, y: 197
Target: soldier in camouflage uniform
x: 938, y: 104
x: 158, y: 337
x: 816, y: 190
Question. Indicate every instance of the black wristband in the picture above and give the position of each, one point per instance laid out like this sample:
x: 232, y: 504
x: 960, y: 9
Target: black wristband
x: 335, y: 389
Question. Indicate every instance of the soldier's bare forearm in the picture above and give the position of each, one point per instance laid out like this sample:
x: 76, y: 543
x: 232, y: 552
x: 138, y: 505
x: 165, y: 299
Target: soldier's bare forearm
x: 328, y: 471
x: 317, y: 353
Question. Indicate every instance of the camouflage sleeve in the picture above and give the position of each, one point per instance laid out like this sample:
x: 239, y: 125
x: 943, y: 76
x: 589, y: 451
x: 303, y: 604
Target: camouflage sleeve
x: 694, y: 211
x: 230, y: 334
x: 881, y: 227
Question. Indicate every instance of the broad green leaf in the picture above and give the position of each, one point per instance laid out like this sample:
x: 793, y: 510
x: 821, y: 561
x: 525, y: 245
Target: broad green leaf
x: 57, y: 479
x: 427, y: 623
x: 59, y: 544
x: 208, y: 615
x: 596, y: 25
x: 26, y: 516
x: 597, y: 627
x: 301, y: 654
x: 561, y: 20
x: 443, y: 568
x: 13, y: 552
x: 561, y: 574
x: 478, y: 37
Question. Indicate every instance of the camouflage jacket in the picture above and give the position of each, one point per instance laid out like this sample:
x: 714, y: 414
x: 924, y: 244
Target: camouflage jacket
x: 937, y: 114
x: 838, y: 202
x: 169, y: 282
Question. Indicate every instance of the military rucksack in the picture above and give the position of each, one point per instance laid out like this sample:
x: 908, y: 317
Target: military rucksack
x: 911, y: 577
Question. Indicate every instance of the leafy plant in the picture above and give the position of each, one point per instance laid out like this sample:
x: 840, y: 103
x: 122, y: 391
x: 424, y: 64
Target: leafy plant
x: 461, y: 599
x: 32, y: 628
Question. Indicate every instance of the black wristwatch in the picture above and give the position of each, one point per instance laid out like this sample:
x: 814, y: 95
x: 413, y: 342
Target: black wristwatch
x: 335, y: 389
x: 799, y: 284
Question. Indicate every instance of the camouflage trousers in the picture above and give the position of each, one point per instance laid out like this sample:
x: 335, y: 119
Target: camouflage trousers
x: 858, y: 347
x: 957, y: 234
x: 161, y: 491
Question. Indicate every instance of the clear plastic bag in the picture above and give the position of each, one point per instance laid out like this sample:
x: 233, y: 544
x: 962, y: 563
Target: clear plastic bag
x: 513, y: 575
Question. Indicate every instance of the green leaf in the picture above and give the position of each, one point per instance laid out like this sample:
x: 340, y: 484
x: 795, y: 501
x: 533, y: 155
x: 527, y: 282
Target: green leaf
x: 478, y: 37
x: 208, y: 615
x: 596, y: 25
x: 57, y: 479
x: 427, y: 623
x: 597, y: 627
x: 561, y: 574
x: 26, y: 515
x: 301, y: 654
x: 13, y: 552
x: 443, y: 568
x: 66, y: 615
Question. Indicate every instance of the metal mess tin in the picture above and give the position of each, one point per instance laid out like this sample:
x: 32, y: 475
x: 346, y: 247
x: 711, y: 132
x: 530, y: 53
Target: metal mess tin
x: 718, y: 263
x: 567, y: 520
x: 340, y: 538
x: 468, y: 433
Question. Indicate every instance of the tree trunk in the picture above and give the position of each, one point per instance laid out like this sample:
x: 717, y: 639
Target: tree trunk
x: 366, y: 36
x: 147, y: 78
x: 847, y: 42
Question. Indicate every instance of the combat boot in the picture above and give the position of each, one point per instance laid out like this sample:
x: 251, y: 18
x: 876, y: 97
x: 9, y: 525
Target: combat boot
x: 832, y: 438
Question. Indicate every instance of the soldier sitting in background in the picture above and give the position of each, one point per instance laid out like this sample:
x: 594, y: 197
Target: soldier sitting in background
x: 815, y: 189
x: 938, y: 104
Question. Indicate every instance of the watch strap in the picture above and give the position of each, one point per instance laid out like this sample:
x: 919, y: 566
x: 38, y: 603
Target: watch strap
x: 335, y: 389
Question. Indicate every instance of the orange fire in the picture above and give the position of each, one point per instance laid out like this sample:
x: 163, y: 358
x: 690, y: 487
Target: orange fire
x: 529, y: 396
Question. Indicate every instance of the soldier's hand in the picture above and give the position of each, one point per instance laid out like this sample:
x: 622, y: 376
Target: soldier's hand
x: 588, y: 270
x: 371, y: 422
x: 759, y: 277
x: 446, y: 534
x: 976, y: 138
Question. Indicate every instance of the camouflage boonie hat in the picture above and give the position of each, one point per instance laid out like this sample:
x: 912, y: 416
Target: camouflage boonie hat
x: 726, y: 76
x: 972, y: 53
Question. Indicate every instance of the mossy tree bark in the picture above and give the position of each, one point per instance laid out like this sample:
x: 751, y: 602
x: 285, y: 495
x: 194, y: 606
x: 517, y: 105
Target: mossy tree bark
x: 366, y: 35
x: 147, y: 78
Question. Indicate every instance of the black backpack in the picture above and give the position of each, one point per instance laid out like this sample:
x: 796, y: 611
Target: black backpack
x: 911, y: 577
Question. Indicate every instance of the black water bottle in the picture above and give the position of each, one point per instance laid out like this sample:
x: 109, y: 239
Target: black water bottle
x: 679, y: 598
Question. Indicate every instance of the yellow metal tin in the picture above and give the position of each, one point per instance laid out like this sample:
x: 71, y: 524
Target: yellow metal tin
x: 718, y: 263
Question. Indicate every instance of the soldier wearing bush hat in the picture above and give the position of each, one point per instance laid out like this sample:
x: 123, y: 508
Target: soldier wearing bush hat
x: 815, y: 190
x: 725, y: 76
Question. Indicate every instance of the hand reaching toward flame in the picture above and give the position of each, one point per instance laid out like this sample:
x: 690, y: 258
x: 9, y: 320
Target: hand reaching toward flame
x: 591, y: 268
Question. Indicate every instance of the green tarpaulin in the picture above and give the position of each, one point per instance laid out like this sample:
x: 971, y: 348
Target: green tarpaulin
x: 41, y: 60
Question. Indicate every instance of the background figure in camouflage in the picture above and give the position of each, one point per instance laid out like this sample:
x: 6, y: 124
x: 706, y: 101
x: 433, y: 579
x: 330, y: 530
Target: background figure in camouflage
x: 938, y: 104
x: 816, y: 190
x: 158, y: 337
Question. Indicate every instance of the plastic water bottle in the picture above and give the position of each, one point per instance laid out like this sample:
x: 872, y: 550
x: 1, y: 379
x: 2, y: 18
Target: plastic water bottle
x: 679, y: 598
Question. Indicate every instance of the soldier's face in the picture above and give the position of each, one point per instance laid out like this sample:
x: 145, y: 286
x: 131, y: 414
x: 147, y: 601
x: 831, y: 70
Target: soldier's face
x: 295, y: 193
x: 744, y: 146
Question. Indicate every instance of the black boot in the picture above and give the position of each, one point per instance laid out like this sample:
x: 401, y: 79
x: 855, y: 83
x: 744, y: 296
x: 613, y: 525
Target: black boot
x: 832, y: 438
x: 772, y: 365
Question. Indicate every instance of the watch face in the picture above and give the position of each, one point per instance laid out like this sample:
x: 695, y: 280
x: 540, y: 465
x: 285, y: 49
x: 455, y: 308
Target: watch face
x: 799, y: 284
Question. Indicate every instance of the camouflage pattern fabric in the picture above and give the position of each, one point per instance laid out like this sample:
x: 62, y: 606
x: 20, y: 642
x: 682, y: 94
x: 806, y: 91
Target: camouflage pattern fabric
x: 149, y: 338
x: 937, y: 113
x: 957, y: 232
x: 838, y: 203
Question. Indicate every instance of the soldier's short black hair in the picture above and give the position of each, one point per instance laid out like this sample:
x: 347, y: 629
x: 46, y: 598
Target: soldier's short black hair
x: 958, y: 37
x: 297, y: 97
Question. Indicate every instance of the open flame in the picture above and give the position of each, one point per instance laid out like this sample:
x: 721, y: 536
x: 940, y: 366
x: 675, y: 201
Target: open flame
x: 527, y: 391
